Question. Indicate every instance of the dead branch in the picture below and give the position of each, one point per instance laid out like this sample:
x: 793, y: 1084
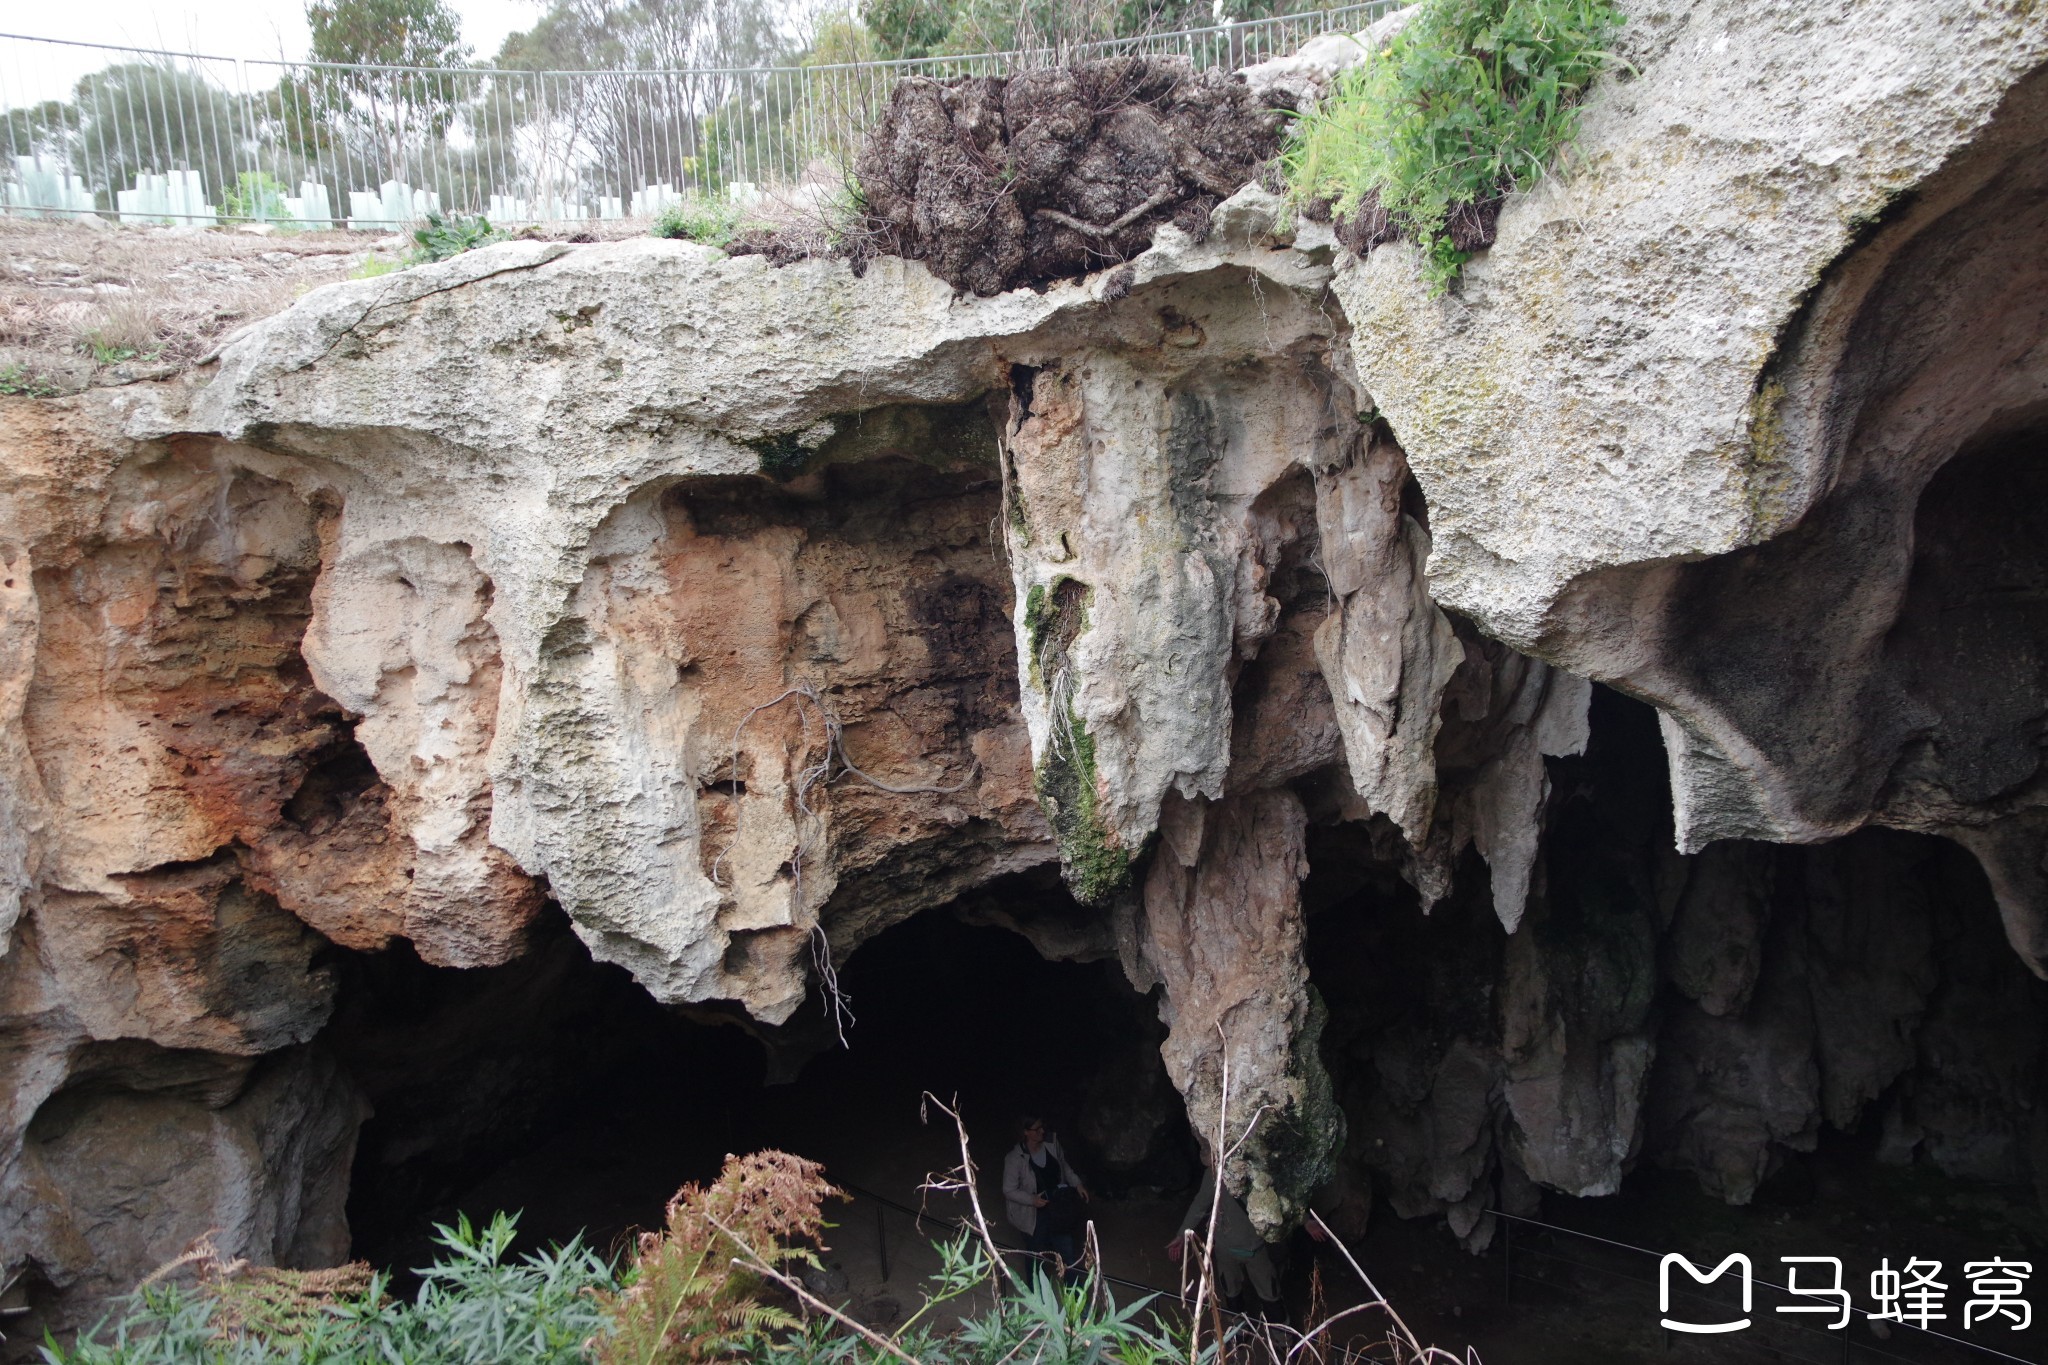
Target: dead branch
x: 1159, y: 199
x: 751, y: 1260
x: 967, y: 1182
x: 1423, y: 1355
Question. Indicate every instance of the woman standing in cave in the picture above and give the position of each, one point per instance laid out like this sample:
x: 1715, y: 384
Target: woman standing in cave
x: 1240, y: 1254
x: 1044, y: 1196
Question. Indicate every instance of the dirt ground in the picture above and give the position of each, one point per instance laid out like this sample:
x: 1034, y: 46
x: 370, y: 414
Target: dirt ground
x: 1540, y: 1298
x: 83, y: 305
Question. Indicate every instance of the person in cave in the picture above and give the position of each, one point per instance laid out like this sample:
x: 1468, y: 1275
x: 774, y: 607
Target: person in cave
x: 1044, y: 1195
x: 1239, y: 1255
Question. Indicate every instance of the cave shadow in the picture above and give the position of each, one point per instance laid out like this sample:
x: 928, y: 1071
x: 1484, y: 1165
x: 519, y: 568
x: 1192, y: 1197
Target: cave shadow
x: 1751, y: 968
x: 555, y: 1087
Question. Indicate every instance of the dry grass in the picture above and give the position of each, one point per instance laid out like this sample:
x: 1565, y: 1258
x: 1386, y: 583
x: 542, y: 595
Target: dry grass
x: 83, y: 305
x: 122, y: 326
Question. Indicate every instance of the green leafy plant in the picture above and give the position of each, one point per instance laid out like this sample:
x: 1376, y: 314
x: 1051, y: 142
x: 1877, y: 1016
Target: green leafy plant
x: 257, y: 195
x: 1470, y: 101
x: 713, y: 1285
x: 694, y: 1294
x: 1041, y: 1319
x: 18, y: 381
x: 713, y: 222
x: 446, y: 235
x: 374, y: 266
x: 475, y: 1307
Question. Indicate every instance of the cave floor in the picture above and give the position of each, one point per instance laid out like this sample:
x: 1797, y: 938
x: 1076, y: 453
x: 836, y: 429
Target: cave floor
x: 608, y: 1180
x: 1575, y: 1301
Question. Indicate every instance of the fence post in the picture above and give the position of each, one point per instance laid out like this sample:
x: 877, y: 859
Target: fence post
x: 345, y: 128
x: 1507, y: 1262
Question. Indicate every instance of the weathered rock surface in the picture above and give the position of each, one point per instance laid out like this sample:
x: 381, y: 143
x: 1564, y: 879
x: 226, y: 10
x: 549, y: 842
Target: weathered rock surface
x: 1221, y: 929
x: 743, y: 612
x: 1708, y: 420
x: 618, y: 604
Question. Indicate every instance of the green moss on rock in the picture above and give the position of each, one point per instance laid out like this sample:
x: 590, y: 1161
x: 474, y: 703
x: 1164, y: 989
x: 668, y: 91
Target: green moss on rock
x: 1096, y: 869
x: 1035, y: 617
x: 783, y: 456
x: 1095, y: 866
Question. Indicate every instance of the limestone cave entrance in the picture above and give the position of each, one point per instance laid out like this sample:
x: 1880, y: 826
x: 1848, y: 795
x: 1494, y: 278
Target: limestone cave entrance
x: 1827, y: 1050
x: 555, y: 1087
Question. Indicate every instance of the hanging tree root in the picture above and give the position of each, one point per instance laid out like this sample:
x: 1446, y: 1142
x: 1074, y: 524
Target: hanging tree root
x: 833, y: 765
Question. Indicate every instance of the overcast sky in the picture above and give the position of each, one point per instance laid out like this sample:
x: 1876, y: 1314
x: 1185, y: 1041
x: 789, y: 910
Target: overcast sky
x: 249, y: 29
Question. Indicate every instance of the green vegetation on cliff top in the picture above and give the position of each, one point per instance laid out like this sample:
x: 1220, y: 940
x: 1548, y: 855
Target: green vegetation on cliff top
x: 1470, y: 101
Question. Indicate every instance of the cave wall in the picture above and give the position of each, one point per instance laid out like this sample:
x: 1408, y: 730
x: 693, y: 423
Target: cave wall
x: 741, y: 613
x: 163, y: 989
x: 1722, y: 504
x: 1717, y: 1013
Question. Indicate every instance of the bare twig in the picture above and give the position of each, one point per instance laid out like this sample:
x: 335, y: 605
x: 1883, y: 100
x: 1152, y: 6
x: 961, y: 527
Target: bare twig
x: 752, y: 1260
x: 1215, y: 1206
x: 1402, y: 1336
x: 1325, y: 1325
x: 966, y: 1181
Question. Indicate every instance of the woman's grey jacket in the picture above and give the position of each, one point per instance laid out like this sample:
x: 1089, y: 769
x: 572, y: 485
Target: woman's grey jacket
x: 1020, y: 1183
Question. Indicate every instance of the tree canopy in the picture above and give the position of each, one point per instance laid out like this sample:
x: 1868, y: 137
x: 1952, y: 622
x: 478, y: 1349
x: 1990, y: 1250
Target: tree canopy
x: 387, y: 32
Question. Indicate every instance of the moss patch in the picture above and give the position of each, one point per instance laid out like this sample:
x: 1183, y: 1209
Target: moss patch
x: 1095, y: 867
x: 783, y: 456
x: 1301, y: 1142
x: 1034, y: 628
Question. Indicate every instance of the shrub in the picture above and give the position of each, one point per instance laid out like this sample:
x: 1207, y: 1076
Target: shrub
x: 256, y: 195
x: 688, y: 1299
x: 714, y: 222
x: 443, y: 236
x: 1470, y: 101
x: 473, y: 1308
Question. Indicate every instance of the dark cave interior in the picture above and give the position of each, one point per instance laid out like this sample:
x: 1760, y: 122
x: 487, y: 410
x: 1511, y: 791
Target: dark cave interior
x: 556, y: 1087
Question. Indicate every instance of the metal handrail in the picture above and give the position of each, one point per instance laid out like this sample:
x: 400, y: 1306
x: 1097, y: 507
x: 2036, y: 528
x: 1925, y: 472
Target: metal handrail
x: 165, y: 135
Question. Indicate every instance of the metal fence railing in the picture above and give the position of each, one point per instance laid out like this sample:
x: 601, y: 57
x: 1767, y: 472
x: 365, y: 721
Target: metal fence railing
x: 161, y: 136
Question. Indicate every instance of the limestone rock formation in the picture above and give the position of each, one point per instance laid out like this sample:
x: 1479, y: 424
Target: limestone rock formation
x: 728, y: 615
x: 1768, y: 327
